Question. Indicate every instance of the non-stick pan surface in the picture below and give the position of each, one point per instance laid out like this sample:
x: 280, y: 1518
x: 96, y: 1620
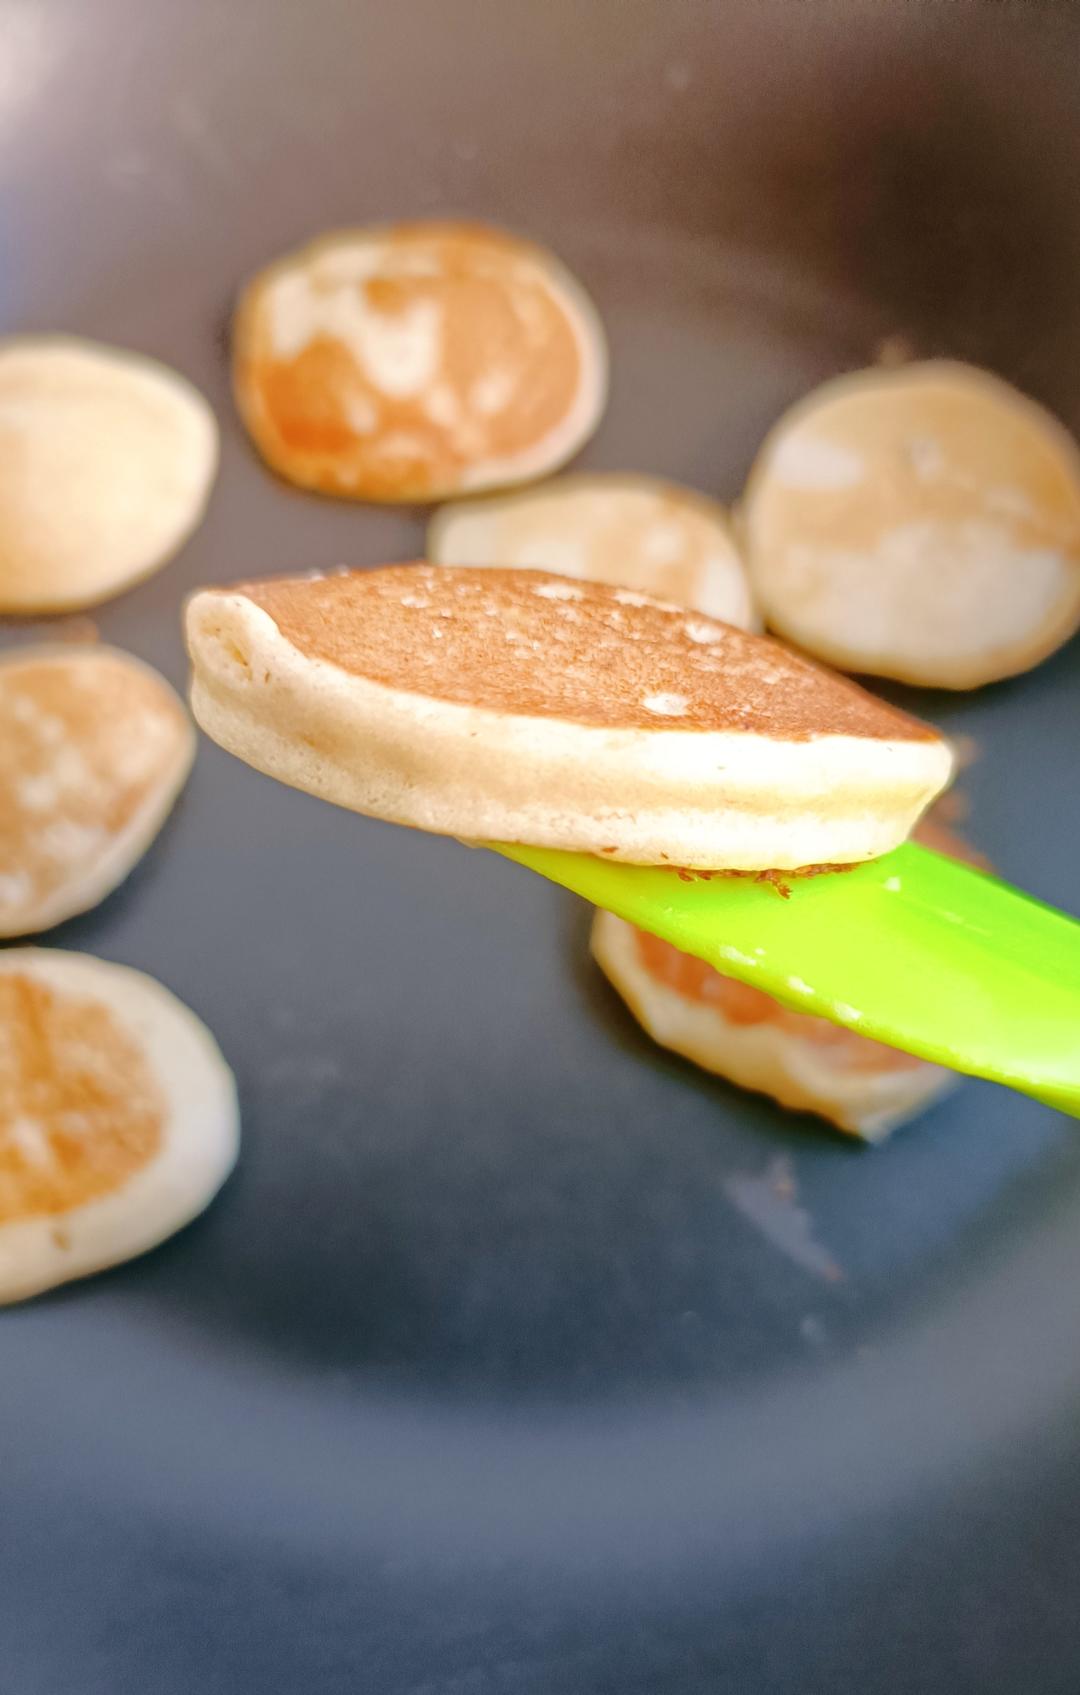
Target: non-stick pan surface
x: 518, y: 1358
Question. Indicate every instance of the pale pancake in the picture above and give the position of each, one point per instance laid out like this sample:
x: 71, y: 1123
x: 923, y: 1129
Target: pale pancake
x: 520, y: 706
x: 94, y: 749
x: 106, y: 462
x: 637, y: 532
x: 738, y: 1032
x: 118, y: 1117
x: 412, y: 362
x: 921, y: 523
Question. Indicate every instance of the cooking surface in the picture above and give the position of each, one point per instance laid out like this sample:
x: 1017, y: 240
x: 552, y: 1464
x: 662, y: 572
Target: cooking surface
x: 518, y: 1356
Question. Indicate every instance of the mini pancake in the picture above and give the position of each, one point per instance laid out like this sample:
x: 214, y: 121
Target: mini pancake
x: 94, y: 749
x: 738, y: 1032
x: 106, y: 462
x: 416, y: 361
x: 921, y: 523
x: 637, y: 532
x: 519, y: 706
x: 118, y: 1117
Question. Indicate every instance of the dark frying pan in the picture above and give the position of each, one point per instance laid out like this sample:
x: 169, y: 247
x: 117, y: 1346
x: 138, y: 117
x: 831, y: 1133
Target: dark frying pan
x: 517, y: 1358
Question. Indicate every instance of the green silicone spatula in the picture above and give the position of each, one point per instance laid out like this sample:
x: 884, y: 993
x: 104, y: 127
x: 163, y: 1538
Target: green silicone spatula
x: 914, y: 949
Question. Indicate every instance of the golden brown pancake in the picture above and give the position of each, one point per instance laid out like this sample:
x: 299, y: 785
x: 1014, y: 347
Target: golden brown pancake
x: 416, y: 361
x: 118, y: 1117
x: 920, y: 523
x: 519, y: 706
x: 94, y: 749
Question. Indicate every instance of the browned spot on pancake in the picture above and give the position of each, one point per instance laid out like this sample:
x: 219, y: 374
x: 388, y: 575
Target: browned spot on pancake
x: 80, y: 1111
x: 84, y: 737
x: 506, y: 373
x: 542, y: 646
x: 782, y: 885
x: 778, y: 880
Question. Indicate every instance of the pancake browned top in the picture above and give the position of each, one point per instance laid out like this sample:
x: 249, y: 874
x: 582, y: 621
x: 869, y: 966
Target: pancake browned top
x: 84, y: 1093
x: 526, y: 643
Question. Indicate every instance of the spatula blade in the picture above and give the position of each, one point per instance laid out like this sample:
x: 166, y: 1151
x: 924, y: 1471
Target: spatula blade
x: 914, y: 950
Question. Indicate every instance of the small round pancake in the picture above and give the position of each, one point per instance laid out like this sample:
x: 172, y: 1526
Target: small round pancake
x: 106, y: 462
x: 417, y: 361
x: 636, y: 532
x: 518, y: 706
x: 921, y: 523
x: 94, y: 749
x: 738, y: 1032
x: 118, y: 1117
